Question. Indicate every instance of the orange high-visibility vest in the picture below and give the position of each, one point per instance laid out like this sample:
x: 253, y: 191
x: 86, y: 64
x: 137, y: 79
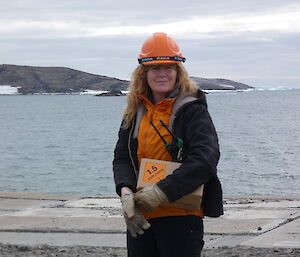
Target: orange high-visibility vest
x: 150, y: 145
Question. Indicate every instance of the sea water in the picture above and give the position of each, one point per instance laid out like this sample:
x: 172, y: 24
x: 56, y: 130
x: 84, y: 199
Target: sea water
x: 65, y: 143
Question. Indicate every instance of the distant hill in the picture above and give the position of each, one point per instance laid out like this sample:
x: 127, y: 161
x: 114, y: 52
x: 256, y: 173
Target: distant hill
x: 219, y: 84
x: 55, y: 80
x: 31, y: 80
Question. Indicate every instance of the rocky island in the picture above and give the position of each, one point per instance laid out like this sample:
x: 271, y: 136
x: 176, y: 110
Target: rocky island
x: 62, y: 80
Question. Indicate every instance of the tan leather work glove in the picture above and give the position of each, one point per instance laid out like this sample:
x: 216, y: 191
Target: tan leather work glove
x: 128, y: 204
x: 150, y: 197
x: 135, y: 221
x: 137, y: 224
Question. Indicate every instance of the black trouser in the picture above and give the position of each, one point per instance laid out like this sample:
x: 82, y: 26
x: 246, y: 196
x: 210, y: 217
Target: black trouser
x: 180, y: 236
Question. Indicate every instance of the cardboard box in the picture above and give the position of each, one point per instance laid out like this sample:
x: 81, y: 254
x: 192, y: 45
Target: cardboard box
x: 151, y: 171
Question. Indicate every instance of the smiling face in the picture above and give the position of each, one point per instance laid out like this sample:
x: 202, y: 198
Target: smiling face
x: 161, y: 79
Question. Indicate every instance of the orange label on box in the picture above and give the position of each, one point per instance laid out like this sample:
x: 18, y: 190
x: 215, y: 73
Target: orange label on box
x: 154, y: 172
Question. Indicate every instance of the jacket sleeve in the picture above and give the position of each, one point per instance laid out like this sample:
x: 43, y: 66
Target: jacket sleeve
x: 124, y: 174
x: 201, y: 152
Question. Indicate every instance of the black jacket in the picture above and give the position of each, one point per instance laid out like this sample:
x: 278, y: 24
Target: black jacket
x: 191, y: 122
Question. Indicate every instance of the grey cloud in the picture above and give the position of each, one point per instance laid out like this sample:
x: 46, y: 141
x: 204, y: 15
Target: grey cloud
x: 256, y: 58
x: 260, y: 63
x: 130, y: 11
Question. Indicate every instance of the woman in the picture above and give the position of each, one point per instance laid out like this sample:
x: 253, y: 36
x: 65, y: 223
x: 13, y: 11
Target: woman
x: 163, y: 101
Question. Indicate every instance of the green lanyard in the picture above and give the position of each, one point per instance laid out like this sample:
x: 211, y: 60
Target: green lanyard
x: 175, y: 147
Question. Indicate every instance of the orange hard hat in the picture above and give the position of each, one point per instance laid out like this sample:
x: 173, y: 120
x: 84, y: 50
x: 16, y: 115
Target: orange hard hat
x: 160, y: 48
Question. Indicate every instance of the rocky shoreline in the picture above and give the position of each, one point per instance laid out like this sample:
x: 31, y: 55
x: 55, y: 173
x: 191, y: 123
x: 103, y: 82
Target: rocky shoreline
x: 85, y: 251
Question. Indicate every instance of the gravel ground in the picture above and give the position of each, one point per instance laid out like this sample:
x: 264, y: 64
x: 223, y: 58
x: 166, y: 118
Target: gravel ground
x: 84, y: 251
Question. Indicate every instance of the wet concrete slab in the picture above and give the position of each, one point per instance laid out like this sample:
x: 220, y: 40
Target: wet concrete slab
x: 226, y: 226
x: 61, y: 224
x: 37, y: 196
x: 64, y: 239
x: 287, y: 235
x: 66, y: 212
x: 109, y: 202
x: 250, y: 220
x: 100, y: 239
x: 261, y: 204
x: 7, y: 204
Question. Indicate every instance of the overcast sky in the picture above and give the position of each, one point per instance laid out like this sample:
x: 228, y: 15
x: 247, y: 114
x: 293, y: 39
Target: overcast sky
x: 256, y: 42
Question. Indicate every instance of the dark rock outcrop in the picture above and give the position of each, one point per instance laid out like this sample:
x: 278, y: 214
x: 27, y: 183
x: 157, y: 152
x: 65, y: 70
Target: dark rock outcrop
x: 220, y: 84
x: 31, y: 80
x: 55, y: 80
x: 114, y: 92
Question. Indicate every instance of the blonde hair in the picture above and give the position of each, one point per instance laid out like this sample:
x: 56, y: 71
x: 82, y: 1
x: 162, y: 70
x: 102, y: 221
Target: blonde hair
x: 139, y: 86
